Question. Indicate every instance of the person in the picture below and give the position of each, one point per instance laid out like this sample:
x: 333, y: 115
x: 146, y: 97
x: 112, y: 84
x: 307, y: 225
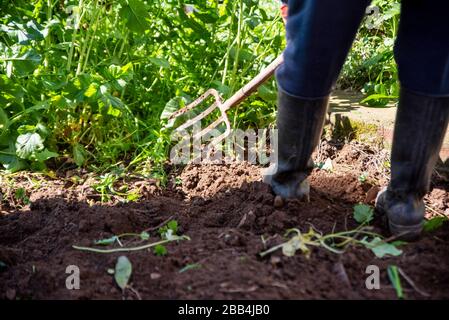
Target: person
x: 320, y: 34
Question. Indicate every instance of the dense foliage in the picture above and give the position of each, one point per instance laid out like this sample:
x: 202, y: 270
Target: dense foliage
x: 83, y: 83
x: 370, y: 66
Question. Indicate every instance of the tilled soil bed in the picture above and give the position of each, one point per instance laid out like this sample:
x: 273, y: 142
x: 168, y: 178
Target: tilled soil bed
x: 230, y: 216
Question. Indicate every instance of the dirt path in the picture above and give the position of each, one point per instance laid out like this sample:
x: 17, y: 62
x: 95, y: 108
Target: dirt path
x: 226, y: 210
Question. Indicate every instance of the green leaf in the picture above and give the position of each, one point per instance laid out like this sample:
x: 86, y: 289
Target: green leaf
x: 20, y: 194
x: 12, y: 163
x: 243, y: 54
x: 362, y: 178
x: 123, y: 270
x: 395, y: 280
x: 398, y: 243
x: 26, y: 128
x: 169, y: 230
x: 267, y: 94
x: 377, y: 96
x: 27, y: 144
x: 107, y: 241
x: 160, y: 62
x: 173, y: 225
x: 144, y: 235
x: 160, y: 250
x: 133, y: 196
x: 190, y: 267
x: 79, y: 154
x: 4, y: 121
x: 91, y: 90
x: 26, y: 63
x: 381, y: 248
x: 222, y: 88
x: 113, y: 104
x: 363, y: 213
x: 23, y: 32
x: 434, y: 223
x: 171, y: 107
x: 135, y: 13
x: 45, y: 155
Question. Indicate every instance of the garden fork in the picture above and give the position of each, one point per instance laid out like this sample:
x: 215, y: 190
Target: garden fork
x: 218, y: 103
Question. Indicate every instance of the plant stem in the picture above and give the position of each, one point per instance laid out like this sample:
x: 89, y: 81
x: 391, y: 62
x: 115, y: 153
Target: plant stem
x: 47, y: 39
x: 146, y: 246
x: 75, y: 32
x: 92, y: 37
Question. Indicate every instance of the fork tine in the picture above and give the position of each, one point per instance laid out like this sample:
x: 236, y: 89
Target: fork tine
x: 205, y: 95
x: 197, y: 118
x: 209, y: 128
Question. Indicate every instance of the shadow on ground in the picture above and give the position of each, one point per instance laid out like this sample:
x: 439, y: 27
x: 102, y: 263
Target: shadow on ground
x: 229, y: 216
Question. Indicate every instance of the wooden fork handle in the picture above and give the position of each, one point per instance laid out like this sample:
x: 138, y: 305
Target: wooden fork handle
x: 252, y: 86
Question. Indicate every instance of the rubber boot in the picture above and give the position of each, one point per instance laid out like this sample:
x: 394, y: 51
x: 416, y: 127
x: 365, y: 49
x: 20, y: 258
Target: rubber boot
x: 421, y: 123
x: 299, y: 123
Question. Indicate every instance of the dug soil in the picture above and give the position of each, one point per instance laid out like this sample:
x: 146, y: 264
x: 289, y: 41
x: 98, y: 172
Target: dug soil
x: 230, y: 217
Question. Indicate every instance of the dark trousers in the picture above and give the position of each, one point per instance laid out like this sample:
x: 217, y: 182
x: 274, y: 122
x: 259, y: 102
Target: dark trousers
x: 320, y: 34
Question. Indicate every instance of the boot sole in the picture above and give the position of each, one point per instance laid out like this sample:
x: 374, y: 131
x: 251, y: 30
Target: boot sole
x: 407, y: 233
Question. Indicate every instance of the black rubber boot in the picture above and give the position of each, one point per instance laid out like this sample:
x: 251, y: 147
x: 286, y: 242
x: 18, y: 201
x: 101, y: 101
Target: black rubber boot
x: 421, y: 123
x: 299, y: 123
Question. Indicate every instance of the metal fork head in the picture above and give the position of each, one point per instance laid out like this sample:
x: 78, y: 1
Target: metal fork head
x: 223, y: 118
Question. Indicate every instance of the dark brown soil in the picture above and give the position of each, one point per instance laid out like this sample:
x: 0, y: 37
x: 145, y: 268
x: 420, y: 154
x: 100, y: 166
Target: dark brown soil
x: 226, y: 210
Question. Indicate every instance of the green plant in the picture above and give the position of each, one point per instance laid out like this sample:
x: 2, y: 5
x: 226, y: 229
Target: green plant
x: 370, y: 66
x: 395, y: 280
x: 160, y: 250
x: 85, y: 82
x: 434, y: 223
x: 166, y: 232
x: 20, y: 195
x: 381, y: 248
x: 191, y: 266
x: 334, y: 242
x: 106, y: 187
x: 363, y: 213
x: 108, y: 241
x: 170, y: 229
x: 363, y: 177
x: 122, y: 272
x: 129, y: 249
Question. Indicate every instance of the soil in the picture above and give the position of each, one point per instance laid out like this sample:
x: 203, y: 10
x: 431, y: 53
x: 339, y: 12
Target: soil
x: 229, y: 215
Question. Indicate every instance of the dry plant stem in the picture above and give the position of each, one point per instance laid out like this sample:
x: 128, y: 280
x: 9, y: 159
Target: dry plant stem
x: 134, y: 291
x: 435, y: 211
x: 159, y: 225
x: 147, y: 246
x: 412, y: 284
x: 321, y: 240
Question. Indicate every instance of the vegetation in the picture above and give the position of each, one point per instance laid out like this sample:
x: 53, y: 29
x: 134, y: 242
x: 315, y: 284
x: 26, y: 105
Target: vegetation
x: 84, y: 82
x: 340, y: 241
x: 370, y: 66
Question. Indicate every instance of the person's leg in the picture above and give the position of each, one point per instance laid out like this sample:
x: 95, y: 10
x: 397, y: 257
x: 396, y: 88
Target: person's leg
x: 422, y: 54
x: 319, y: 34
